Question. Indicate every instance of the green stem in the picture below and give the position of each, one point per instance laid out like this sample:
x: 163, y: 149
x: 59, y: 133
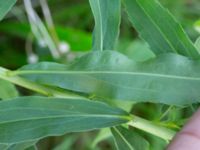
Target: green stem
x: 150, y: 127
x: 49, y: 22
x: 4, y: 74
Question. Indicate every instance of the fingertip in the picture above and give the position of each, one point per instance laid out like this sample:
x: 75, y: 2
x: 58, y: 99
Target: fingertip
x: 189, y: 137
x: 184, y: 141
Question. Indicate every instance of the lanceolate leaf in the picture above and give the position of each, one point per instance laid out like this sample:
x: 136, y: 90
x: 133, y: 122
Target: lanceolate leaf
x: 5, y: 6
x: 128, y: 140
x: 7, y: 90
x: 107, y: 20
x: 32, y: 118
x: 109, y: 74
x: 158, y: 27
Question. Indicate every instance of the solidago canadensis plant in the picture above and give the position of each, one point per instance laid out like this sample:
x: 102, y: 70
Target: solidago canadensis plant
x: 91, y: 92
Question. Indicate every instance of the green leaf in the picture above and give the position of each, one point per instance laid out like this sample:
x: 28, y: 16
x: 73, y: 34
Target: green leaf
x: 111, y: 75
x: 67, y: 142
x: 197, y: 26
x: 102, y: 135
x: 107, y: 15
x: 5, y: 6
x: 7, y: 90
x: 138, y: 51
x: 159, y: 28
x: 32, y: 118
x: 128, y: 139
x: 34, y: 147
x: 21, y: 146
x: 18, y: 146
x: 197, y: 44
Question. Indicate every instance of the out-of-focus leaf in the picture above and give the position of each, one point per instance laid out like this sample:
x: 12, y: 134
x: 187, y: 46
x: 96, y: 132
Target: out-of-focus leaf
x: 138, y: 51
x: 102, y: 135
x: 197, y: 44
x: 15, y: 29
x: 67, y: 143
x: 7, y: 90
x: 128, y: 140
x: 156, y: 143
x: 73, y: 14
x: 33, y: 118
x: 34, y: 147
x: 158, y: 27
x: 77, y: 39
x: 5, y: 6
x: 197, y: 26
x: 107, y: 15
x: 111, y: 75
x: 17, y: 58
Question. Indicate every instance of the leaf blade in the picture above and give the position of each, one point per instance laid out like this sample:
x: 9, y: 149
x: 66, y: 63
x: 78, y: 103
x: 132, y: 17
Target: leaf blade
x: 107, y: 20
x: 33, y: 118
x: 7, y: 90
x: 128, y: 140
x: 197, y: 43
x: 124, y: 79
x: 158, y: 27
x: 21, y: 146
x: 5, y: 6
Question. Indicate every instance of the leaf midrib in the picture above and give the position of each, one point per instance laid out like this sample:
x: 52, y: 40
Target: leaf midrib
x: 165, y: 37
x: 66, y: 116
x: 106, y: 72
x: 157, y: 26
x: 101, y: 27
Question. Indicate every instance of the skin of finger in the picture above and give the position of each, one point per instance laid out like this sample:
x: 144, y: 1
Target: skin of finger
x: 189, y: 137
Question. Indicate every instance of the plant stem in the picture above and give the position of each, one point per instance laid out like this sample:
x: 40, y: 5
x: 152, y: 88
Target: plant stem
x: 150, y: 127
x: 48, y: 91
x: 49, y: 22
x: 39, y: 28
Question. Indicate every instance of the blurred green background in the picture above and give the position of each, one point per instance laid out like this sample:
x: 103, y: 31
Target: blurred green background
x: 73, y: 22
x: 27, y: 35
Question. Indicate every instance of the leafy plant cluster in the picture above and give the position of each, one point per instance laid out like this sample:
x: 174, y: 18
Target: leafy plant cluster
x: 98, y: 90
